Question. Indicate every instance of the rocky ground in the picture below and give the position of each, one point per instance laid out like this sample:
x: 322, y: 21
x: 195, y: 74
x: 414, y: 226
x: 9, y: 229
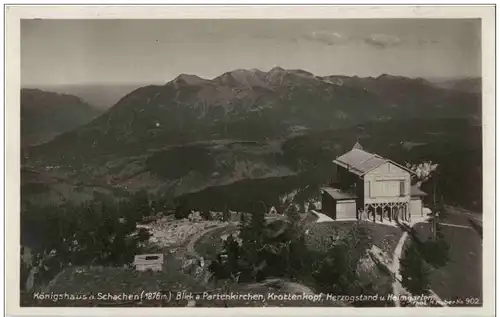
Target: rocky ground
x: 170, y: 232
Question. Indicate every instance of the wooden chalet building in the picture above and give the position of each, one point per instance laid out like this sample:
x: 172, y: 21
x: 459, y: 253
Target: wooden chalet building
x: 368, y: 186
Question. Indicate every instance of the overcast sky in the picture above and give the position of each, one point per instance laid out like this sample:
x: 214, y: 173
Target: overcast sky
x: 55, y: 52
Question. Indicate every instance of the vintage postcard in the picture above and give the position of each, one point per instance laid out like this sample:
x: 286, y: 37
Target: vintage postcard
x: 292, y: 160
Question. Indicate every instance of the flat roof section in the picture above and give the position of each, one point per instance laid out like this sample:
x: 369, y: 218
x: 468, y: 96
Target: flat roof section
x: 338, y: 194
x: 416, y: 192
x: 148, y: 259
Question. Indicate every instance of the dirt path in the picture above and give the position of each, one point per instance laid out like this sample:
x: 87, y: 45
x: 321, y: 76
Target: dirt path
x: 456, y: 226
x: 283, y: 285
x: 190, y: 246
x: 290, y: 287
x: 322, y: 217
x: 463, y: 211
x: 397, y: 287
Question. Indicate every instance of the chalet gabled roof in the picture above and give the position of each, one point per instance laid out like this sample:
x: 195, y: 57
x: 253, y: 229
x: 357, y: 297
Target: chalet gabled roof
x: 360, y: 162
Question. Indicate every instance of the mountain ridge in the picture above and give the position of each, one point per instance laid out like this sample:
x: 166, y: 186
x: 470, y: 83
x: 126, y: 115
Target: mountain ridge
x: 251, y: 104
x: 44, y: 115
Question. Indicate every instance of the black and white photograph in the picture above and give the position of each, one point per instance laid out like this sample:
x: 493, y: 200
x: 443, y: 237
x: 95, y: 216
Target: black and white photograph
x: 259, y: 162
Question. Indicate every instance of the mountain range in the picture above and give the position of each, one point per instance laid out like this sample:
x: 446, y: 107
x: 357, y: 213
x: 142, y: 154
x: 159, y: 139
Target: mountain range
x: 471, y: 85
x: 256, y: 105
x: 193, y: 133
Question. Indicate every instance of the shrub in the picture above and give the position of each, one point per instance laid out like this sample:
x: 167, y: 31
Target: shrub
x: 205, y: 214
x: 436, y: 252
x: 181, y: 211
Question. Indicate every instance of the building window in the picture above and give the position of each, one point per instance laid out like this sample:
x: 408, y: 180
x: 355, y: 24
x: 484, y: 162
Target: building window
x: 402, y: 188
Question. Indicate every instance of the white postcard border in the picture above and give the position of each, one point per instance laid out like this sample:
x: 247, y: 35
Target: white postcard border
x: 13, y: 14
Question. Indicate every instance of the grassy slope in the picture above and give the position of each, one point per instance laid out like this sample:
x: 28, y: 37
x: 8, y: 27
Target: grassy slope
x: 121, y: 280
x: 461, y: 278
x: 210, y: 244
x: 176, y: 170
x: 319, y: 237
x: 47, y: 187
x: 383, y: 236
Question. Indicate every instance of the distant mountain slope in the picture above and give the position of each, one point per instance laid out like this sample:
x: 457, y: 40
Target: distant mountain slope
x: 255, y: 105
x: 469, y: 85
x: 472, y: 85
x: 45, y: 115
x: 100, y: 96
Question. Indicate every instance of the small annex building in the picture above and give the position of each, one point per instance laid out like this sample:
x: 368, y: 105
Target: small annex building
x: 368, y: 186
x: 145, y: 262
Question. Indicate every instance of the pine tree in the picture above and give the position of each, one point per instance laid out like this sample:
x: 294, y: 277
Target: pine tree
x: 298, y: 257
x: 252, y: 234
x: 437, y: 251
x: 154, y: 207
x: 258, y: 220
x: 205, y: 214
x: 181, y: 210
x: 226, y: 215
x: 331, y: 270
x: 293, y: 215
x: 243, y: 220
x: 414, y: 271
x: 141, y: 203
x: 232, y: 251
x: 356, y: 242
